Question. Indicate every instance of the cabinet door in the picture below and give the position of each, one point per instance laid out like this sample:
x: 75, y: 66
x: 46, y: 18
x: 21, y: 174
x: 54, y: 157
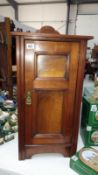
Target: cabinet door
x: 50, y: 75
x: 50, y: 85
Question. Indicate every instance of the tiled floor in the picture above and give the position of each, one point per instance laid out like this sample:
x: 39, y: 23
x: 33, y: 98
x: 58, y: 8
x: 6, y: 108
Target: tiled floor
x: 41, y: 164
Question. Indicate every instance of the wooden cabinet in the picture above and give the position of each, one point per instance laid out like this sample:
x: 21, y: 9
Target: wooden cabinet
x: 50, y: 69
x: 5, y: 56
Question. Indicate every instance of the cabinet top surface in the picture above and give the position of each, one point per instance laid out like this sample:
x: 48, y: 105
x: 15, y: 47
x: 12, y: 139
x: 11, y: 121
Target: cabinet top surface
x: 52, y: 36
x: 48, y: 32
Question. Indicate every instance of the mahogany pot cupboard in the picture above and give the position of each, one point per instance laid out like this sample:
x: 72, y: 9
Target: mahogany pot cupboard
x: 50, y: 70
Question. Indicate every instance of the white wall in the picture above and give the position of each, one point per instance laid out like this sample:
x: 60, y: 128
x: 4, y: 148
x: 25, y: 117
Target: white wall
x: 87, y: 22
x: 7, y: 11
x: 39, y: 15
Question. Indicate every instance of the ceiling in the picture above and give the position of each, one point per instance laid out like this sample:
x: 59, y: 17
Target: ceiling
x: 83, y: 1
x: 29, y: 2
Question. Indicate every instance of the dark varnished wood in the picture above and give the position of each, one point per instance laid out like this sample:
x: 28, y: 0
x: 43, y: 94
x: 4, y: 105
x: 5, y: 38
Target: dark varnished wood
x: 47, y: 29
x: 5, y: 56
x: 51, y: 67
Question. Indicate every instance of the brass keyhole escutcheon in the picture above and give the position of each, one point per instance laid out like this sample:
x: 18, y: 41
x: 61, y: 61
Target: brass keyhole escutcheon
x: 29, y: 98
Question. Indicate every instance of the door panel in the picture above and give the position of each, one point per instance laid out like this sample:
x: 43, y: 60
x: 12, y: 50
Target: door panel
x: 49, y: 112
x: 50, y: 76
x: 52, y: 66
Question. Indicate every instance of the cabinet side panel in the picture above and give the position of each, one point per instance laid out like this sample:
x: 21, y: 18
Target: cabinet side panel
x: 78, y: 95
x: 20, y: 92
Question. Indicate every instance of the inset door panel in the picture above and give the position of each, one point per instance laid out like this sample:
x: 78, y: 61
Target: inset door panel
x: 54, y: 66
x: 51, y: 71
x: 47, y: 117
x: 49, y: 110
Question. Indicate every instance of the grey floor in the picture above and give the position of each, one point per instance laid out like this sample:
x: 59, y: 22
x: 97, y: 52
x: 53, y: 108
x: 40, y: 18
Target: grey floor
x: 39, y: 164
x: 7, y: 172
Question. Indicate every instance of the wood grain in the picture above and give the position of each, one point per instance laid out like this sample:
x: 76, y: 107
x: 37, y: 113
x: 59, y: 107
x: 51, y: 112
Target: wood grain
x: 49, y: 66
